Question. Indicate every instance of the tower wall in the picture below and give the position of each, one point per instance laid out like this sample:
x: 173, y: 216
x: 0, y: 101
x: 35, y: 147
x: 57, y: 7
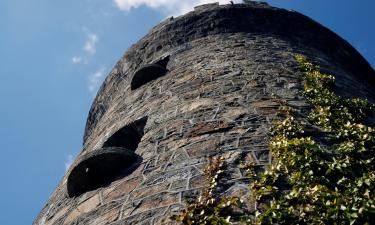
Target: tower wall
x: 224, y: 67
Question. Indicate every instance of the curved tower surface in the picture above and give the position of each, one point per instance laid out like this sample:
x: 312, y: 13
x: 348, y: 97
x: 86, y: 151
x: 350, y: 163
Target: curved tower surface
x: 198, y: 85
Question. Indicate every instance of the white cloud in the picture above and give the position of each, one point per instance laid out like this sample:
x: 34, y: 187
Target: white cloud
x: 68, y: 162
x: 172, y: 7
x: 96, y: 79
x: 76, y: 59
x: 88, y: 48
x: 90, y: 44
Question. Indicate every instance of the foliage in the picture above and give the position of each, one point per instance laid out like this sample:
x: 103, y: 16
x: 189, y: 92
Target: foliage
x: 324, y: 181
x: 323, y: 169
x: 210, y: 208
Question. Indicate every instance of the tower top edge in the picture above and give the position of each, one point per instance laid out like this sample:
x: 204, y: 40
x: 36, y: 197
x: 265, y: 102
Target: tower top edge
x: 173, y: 35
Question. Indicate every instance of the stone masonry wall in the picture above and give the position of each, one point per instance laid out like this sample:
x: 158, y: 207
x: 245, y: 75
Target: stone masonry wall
x: 226, y: 66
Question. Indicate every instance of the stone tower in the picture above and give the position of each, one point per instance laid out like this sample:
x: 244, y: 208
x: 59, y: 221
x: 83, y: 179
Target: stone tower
x: 197, y: 85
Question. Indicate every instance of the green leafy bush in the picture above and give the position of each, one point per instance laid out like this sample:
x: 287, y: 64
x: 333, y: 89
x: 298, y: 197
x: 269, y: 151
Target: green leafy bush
x: 326, y: 181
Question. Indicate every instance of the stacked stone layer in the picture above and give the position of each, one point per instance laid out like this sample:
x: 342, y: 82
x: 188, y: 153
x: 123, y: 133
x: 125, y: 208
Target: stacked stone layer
x: 228, y: 65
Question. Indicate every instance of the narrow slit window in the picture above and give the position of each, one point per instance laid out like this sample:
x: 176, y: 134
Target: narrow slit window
x: 149, y: 73
x: 115, y: 160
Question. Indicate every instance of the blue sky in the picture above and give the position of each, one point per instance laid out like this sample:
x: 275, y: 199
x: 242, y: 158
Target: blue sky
x: 53, y: 57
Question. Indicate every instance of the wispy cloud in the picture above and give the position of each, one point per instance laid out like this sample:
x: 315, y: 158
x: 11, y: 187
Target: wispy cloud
x: 76, y: 59
x: 96, y: 79
x: 172, y: 7
x: 90, y: 44
x: 68, y: 162
x: 88, y: 48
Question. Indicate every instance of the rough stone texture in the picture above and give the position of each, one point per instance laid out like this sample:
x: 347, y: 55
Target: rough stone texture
x: 226, y: 65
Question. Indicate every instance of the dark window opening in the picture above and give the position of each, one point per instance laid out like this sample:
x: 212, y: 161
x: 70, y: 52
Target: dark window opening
x: 101, y: 168
x: 115, y: 160
x: 149, y: 73
x: 129, y: 136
